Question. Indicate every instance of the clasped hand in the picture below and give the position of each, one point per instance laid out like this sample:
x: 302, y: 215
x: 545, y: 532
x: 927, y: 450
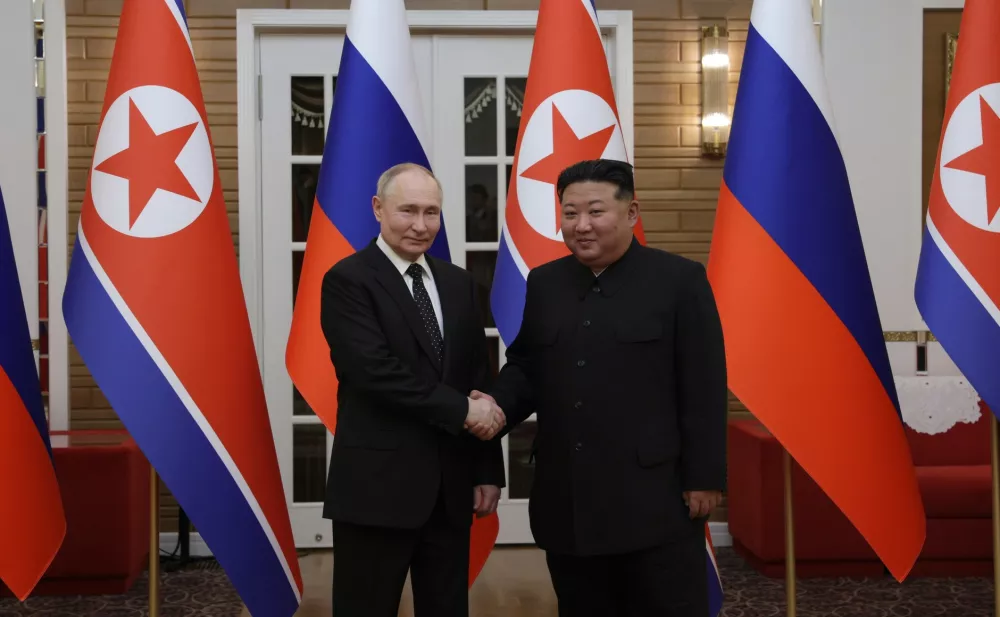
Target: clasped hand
x: 701, y: 503
x: 485, y: 418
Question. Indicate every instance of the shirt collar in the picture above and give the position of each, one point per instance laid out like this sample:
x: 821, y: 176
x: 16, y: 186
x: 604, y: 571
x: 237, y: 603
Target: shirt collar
x: 398, y: 262
x: 611, y: 278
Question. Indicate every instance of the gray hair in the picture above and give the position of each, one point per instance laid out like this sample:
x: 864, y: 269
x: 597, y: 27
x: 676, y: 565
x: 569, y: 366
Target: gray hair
x: 389, y: 175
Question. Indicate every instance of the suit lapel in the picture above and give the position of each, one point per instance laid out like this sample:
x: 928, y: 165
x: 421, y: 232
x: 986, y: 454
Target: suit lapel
x: 390, y: 279
x: 451, y: 303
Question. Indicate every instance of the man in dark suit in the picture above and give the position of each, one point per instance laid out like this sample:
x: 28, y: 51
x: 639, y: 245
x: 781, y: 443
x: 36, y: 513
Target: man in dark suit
x: 620, y: 353
x: 407, y: 470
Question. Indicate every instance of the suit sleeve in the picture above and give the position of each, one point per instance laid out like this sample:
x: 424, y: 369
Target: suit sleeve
x: 703, y: 397
x: 513, y: 388
x: 361, y: 354
x: 489, y: 454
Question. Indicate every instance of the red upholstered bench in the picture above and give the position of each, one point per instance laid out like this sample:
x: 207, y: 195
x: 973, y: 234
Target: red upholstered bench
x: 953, y: 472
x: 104, y: 479
x: 955, y: 478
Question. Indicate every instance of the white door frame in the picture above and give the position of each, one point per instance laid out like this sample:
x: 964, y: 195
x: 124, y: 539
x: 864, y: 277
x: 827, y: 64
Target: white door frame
x: 253, y: 25
x: 57, y: 191
x: 250, y: 24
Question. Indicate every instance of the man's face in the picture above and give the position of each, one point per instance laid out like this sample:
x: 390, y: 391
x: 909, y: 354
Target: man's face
x: 596, y: 226
x: 410, y: 213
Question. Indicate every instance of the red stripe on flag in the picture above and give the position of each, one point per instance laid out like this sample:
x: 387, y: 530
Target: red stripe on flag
x: 825, y: 404
x: 484, y: 536
x: 32, y: 522
x: 307, y: 356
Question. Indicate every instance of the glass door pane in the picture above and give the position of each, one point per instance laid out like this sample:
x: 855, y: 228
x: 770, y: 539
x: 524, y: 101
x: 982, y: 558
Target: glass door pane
x: 479, y: 93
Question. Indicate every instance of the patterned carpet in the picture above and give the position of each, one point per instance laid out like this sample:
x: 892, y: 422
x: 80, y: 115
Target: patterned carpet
x: 748, y: 594
x: 199, y: 590
x: 202, y: 590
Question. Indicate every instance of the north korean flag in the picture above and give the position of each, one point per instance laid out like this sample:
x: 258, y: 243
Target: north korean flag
x: 569, y: 115
x: 958, y: 282
x: 154, y: 305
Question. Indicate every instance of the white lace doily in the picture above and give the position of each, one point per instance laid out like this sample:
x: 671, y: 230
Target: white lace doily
x: 932, y: 405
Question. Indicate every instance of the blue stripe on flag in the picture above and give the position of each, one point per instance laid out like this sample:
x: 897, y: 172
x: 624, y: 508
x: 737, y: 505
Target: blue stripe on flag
x: 174, y: 443
x: 968, y: 333
x: 368, y: 134
x: 507, y: 294
x: 785, y: 167
x: 17, y: 359
x: 715, y: 594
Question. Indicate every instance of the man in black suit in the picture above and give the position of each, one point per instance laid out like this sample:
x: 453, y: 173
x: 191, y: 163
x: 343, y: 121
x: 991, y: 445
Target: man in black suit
x: 407, y: 470
x: 620, y: 353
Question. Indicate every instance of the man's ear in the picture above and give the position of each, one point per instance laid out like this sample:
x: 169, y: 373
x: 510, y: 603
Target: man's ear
x: 377, y: 208
x: 633, y: 213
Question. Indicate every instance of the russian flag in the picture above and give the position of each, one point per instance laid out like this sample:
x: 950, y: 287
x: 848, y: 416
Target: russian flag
x: 154, y: 304
x: 958, y: 283
x: 376, y: 122
x: 804, y: 343
x: 32, y: 522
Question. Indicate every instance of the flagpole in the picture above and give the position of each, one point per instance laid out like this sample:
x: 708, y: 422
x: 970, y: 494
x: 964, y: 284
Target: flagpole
x: 154, y: 543
x: 789, y: 539
x: 995, y: 443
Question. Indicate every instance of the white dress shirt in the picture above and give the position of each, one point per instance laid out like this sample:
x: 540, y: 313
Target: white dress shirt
x: 428, y: 278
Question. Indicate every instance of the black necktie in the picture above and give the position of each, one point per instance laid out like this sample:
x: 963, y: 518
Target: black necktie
x: 416, y: 271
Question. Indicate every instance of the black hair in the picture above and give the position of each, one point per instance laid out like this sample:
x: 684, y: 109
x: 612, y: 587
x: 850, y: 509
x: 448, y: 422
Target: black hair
x: 614, y: 172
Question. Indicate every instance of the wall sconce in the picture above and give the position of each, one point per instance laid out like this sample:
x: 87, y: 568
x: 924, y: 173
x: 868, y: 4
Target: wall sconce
x: 715, y: 117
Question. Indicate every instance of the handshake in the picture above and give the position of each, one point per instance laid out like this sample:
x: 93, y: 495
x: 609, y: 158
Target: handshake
x: 485, y: 419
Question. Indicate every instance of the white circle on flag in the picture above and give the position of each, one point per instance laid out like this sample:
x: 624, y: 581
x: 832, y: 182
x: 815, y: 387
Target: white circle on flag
x: 965, y: 191
x: 585, y: 113
x: 165, y: 212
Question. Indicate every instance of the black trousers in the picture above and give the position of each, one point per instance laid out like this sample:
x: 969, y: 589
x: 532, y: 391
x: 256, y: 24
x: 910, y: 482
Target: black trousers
x: 370, y: 566
x: 669, y: 580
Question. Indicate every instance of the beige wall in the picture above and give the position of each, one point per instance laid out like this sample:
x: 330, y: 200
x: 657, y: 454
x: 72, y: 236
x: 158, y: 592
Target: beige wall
x: 678, y: 189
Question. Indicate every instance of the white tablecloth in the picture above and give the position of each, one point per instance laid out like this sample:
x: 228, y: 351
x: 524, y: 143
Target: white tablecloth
x: 933, y: 405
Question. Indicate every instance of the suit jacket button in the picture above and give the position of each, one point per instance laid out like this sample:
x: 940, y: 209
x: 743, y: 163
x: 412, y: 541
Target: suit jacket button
x: 586, y: 324
x: 580, y: 362
x: 578, y: 404
x: 578, y: 446
x: 597, y: 289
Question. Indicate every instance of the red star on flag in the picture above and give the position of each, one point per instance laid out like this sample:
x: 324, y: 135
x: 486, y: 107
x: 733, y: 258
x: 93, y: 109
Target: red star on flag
x: 985, y: 159
x: 150, y: 162
x: 567, y: 149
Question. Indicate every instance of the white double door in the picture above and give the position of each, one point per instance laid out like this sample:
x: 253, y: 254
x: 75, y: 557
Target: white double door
x: 473, y: 90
